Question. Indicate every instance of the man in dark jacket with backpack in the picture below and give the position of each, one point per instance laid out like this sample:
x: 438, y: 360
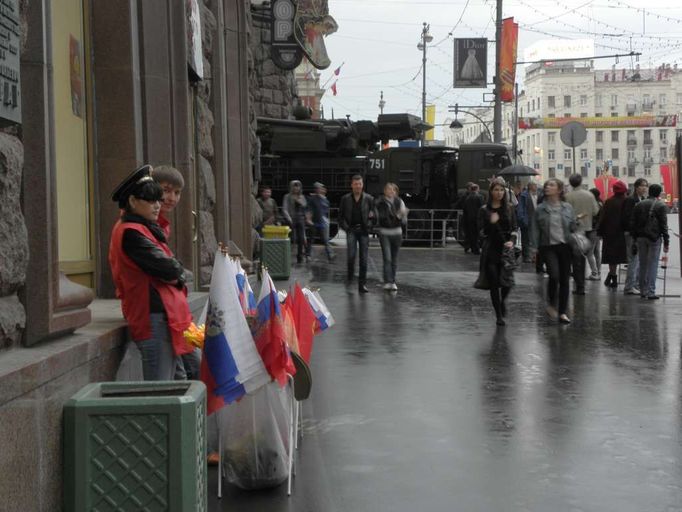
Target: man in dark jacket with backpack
x: 649, y: 227
x: 357, y: 217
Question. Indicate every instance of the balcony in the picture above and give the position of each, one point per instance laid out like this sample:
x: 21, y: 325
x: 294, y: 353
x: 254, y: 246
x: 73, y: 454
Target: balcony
x: 647, y: 106
x: 631, y: 108
x: 632, y: 161
x: 648, y: 160
x: 648, y: 142
x: 632, y: 141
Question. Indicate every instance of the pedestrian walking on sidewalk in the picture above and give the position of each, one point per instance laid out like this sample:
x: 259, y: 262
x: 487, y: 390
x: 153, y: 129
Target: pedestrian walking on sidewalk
x: 612, y: 231
x: 585, y: 207
x: 319, y: 210
x: 551, y: 229
x: 497, y: 224
x: 528, y: 202
x: 357, y: 217
x: 639, y: 193
x: 650, y: 228
x: 470, y: 206
x: 594, y: 255
x: 391, y: 217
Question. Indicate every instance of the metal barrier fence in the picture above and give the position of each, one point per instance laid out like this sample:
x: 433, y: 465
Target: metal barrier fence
x: 435, y: 227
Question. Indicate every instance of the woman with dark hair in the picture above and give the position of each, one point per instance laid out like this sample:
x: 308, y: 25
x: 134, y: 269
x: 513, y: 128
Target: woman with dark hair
x: 149, y: 280
x: 612, y: 230
x: 594, y: 255
x: 553, y: 223
x: 497, y: 223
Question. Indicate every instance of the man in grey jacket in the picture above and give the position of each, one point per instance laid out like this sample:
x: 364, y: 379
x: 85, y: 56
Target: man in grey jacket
x: 585, y: 207
x: 356, y: 218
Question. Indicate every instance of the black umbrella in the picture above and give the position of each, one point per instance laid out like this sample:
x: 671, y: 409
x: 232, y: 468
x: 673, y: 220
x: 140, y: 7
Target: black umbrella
x: 518, y: 170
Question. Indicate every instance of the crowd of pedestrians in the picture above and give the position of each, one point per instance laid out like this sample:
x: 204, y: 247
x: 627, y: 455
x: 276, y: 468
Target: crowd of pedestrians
x: 568, y: 233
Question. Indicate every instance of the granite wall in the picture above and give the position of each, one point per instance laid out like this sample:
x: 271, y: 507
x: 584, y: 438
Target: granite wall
x: 205, y: 120
x: 13, y: 234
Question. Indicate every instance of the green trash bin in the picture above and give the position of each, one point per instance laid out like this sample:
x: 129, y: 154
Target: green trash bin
x: 276, y: 256
x: 136, y: 446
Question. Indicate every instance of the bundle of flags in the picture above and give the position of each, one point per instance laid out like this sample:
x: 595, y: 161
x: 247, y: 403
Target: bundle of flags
x: 230, y: 364
x: 240, y: 356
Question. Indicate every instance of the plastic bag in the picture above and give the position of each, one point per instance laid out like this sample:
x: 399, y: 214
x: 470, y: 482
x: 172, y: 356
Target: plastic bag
x: 255, y: 436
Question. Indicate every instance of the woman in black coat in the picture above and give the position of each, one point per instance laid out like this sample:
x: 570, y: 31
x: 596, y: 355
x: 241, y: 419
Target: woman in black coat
x: 497, y: 222
x: 611, y: 229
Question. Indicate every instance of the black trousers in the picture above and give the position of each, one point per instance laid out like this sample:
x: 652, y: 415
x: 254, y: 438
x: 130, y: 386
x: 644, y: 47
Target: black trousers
x: 558, y: 258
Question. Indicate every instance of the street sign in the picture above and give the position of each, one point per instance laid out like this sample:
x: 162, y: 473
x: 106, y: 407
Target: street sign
x: 573, y: 134
x: 471, y: 63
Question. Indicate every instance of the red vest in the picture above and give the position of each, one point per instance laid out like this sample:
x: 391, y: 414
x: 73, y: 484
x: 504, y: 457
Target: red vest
x: 132, y: 287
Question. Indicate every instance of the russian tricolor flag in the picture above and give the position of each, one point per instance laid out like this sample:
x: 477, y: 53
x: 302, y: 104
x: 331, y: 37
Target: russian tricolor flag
x: 269, y: 333
x: 231, y: 365
x: 247, y: 298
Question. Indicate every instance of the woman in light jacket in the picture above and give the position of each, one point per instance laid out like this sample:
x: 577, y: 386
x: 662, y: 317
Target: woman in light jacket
x: 551, y: 229
x: 392, y: 214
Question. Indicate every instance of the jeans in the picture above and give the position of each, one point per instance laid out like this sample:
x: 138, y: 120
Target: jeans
x: 357, y: 237
x: 525, y: 243
x: 632, y: 279
x: 321, y: 231
x: 390, y: 244
x: 300, y: 239
x: 188, y: 366
x: 594, y: 255
x: 649, y: 253
x: 158, y: 358
x: 557, y: 258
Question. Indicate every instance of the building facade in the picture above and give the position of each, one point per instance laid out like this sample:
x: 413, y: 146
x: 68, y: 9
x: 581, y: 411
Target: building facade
x: 631, y: 117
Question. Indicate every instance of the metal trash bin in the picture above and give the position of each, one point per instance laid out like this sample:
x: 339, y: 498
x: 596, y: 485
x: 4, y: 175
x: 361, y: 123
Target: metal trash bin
x: 136, y: 446
x: 276, y: 256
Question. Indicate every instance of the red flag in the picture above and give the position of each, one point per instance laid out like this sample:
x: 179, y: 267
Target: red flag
x: 305, y: 322
x: 510, y: 38
x: 334, y: 88
x: 290, y: 326
x: 338, y: 70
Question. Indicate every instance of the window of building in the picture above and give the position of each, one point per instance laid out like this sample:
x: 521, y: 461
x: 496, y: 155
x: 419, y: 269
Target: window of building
x: 583, y: 114
x: 567, y: 154
x: 614, y: 153
x: 664, y: 154
x: 599, y: 154
x: 631, y: 171
x: 551, y: 115
x: 567, y: 101
x: 567, y: 114
x: 647, y: 137
x: 533, y: 104
x: 647, y: 104
x: 583, y: 153
x: 597, y: 114
x: 599, y: 135
x: 583, y: 171
x: 679, y: 98
x: 583, y: 99
x: 551, y: 101
x: 597, y: 100
x: 647, y: 171
x: 614, y: 100
x: 614, y: 135
x: 552, y: 172
x: 568, y: 170
x: 551, y: 137
x: 662, y: 100
x: 631, y: 155
x: 615, y: 171
x: 550, y: 154
x: 614, y: 114
x: 663, y: 136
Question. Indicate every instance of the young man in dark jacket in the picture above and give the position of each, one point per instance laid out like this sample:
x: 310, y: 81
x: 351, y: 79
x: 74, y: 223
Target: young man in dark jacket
x: 356, y: 218
x: 649, y: 227
x: 470, y: 206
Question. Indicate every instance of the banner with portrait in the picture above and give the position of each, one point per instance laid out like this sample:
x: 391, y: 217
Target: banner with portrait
x: 471, y: 63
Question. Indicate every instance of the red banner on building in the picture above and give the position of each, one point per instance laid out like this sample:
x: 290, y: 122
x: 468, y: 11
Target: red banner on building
x: 510, y: 39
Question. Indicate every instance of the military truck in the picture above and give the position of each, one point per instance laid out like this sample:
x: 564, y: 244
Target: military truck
x: 332, y: 151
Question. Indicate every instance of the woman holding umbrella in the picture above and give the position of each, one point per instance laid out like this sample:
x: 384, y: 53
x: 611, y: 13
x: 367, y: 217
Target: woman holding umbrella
x: 497, y: 222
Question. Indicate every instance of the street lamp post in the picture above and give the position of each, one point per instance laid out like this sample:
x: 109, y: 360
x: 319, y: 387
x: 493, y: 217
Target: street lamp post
x: 425, y: 38
x: 457, y: 125
x: 382, y: 103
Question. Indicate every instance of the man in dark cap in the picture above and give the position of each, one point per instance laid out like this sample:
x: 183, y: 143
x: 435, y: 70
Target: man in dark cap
x: 149, y: 280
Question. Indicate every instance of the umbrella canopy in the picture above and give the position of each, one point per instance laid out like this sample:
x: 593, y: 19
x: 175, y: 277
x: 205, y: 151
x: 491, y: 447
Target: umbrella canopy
x: 518, y: 170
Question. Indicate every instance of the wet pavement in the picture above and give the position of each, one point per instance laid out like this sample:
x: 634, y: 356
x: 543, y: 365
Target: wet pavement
x: 420, y: 402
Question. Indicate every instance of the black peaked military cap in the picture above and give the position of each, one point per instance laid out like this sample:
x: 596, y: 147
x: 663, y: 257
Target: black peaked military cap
x: 128, y: 185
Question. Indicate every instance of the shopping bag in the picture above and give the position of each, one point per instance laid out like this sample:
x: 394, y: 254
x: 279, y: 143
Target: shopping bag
x: 255, y: 438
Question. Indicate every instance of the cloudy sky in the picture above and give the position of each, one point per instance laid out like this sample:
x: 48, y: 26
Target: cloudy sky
x: 376, y: 44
